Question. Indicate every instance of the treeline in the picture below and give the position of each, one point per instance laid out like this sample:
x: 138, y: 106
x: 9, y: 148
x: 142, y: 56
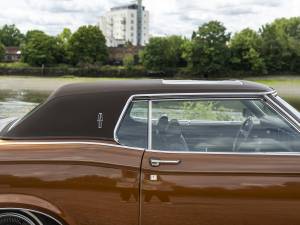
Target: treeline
x: 275, y: 48
x: 84, y: 47
x: 211, y: 50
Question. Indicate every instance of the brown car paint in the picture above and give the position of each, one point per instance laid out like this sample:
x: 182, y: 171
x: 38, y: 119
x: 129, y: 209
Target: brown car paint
x: 79, y: 183
x: 218, y: 189
x: 88, y: 179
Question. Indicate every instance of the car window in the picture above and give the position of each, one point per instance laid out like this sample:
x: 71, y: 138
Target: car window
x: 288, y: 106
x: 133, y: 130
x: 242, y: 125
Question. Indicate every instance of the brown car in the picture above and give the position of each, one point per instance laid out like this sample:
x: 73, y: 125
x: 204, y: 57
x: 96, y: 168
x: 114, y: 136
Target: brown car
x: 153, y: 152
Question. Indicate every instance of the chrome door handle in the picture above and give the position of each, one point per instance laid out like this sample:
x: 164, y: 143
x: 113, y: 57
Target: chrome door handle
x: 158, y: 162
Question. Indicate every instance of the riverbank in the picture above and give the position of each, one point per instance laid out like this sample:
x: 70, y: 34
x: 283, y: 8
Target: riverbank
x: 19, y: 94
x: 288, y: 86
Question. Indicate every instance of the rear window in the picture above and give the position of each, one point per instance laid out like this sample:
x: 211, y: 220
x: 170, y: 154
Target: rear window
x: 133, y: 130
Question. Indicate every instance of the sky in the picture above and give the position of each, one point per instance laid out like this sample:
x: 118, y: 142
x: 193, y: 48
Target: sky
x: 167, y: 16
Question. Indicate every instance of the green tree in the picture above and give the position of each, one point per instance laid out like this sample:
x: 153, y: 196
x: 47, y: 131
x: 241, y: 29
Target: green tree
x: 41, y: 49
x: 208, y: 52
x: 281, y: 45
x: 163, y: 52
x: 245, y: 49
x: 2, y: 51
x: 10, y: 35
x: 88, y: 46
x: 63, y: 42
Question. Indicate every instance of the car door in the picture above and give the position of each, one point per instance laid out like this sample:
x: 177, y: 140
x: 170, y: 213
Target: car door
x: 248, y: 172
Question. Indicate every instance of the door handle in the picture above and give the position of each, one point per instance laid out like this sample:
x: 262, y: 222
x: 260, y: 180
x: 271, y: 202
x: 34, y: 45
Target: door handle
x: 158, y: 162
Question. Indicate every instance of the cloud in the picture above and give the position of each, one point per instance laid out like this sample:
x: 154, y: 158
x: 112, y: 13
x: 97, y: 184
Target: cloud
x: 167, y: 16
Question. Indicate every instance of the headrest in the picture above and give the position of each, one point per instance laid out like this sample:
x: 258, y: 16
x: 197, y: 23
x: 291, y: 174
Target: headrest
x: 162, y: 124
x: 174, y: 128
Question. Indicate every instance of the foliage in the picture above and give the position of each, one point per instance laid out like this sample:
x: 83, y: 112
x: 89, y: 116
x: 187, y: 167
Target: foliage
x: 88, y: 46
x: 245, y: 49
x: 63, y: 42
x: 208, y: 52
x: 163, y: 52
x: 2, y: 51
x: 10, y: 35
x: 128, y: 62
x: 14, y: 65
x: 41, y: 49
x: 281, y: 45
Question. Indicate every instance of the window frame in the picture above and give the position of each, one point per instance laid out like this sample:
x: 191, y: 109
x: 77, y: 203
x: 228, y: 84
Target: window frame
x: 150, y: 98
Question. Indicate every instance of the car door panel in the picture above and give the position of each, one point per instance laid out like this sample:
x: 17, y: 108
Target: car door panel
x: 92, y: 183
x: 219, y: 189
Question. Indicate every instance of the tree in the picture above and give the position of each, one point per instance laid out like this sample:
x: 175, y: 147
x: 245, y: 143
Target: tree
x: 163, y: 52
x: 65, y: 36
x: 41, y: 49
x: 208, y: 52
x: 63, y: 42
x: 10, y: 35
x: 2, y: 51
x: 88, y: 46
x: 245, y: 49
x: 281, y: 45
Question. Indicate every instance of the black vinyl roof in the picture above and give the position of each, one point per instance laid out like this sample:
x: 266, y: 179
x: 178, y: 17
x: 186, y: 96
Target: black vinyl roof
x: 72, y: 111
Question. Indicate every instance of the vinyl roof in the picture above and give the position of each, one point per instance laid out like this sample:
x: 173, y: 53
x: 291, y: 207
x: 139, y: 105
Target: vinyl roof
x: 125, y: 88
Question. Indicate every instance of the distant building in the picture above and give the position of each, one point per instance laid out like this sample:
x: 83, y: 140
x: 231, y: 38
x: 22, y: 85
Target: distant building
x: 117, y: 55
x: 12, y: 54
x: 129, y: 23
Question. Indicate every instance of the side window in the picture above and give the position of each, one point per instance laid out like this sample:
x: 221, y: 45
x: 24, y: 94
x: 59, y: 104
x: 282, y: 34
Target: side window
x: 221, y: 126
x: 133, y: 130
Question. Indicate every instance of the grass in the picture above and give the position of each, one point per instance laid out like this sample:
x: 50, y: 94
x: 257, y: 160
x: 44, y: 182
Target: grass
x: 14, y: 65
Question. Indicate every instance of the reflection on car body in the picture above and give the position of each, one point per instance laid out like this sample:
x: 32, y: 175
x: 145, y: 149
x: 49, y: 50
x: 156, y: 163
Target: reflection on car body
x: 153, y: 152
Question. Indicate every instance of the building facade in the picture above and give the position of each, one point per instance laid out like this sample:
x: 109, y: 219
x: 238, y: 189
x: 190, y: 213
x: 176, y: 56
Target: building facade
x: 123, y: 24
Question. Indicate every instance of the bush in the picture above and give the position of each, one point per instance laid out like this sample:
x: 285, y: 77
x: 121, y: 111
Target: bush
x: 128, y: 62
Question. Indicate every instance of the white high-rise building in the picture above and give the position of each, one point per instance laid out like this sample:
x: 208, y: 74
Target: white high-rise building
x: 129, y: 23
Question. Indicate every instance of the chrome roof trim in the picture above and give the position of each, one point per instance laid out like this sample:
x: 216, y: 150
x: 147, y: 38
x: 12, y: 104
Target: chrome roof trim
x: 205, y: 82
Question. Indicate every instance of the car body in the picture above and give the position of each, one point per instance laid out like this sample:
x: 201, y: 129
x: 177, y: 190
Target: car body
x: 153, y: 152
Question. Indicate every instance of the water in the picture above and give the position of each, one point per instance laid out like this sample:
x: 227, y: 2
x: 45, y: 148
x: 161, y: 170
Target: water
x: 19, y: 103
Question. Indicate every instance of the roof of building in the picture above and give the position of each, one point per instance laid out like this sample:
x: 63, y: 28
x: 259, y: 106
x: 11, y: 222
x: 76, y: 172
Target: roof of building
x: 12, y: 50
x: 129, y: 6
x: 72, y: 111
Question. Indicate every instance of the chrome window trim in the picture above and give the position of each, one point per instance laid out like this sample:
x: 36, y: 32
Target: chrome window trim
x: 164, y: 95
x: 149, y: 124
x: 283, y: 112
x: 273, y: 98
x: 224, y: 95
